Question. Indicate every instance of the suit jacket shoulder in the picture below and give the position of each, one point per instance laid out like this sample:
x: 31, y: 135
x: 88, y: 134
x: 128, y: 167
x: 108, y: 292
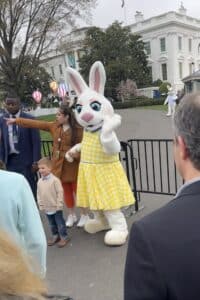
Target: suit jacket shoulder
x: 174, y: 211
x: 163, y: 260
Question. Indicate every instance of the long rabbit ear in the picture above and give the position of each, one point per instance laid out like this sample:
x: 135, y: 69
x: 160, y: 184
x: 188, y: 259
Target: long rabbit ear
x: 97, y: 77
x: 76, y: 81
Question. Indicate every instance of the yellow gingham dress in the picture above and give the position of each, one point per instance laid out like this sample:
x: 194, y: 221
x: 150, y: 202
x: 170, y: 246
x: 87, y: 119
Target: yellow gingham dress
x: 102, y: 183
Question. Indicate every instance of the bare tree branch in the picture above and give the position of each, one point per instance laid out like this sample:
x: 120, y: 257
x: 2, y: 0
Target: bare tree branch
x: 32, y: 28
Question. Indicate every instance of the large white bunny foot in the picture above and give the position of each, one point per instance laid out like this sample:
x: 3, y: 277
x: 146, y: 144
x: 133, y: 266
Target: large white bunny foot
x: 94, y: 226
x: 99, y: 223
x: 115, y: 238
x: 118, y: 234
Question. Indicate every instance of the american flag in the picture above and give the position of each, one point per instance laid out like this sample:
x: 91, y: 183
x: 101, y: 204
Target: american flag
x: 62, y: 89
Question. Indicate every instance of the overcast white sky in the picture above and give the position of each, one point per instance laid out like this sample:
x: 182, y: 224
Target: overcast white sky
x: 107, y: 11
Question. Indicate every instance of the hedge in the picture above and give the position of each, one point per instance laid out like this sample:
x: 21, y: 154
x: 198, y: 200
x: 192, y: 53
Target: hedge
x: 137, y: 101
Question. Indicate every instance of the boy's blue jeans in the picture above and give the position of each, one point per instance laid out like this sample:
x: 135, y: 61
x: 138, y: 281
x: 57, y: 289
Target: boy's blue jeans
x: 57, y: 225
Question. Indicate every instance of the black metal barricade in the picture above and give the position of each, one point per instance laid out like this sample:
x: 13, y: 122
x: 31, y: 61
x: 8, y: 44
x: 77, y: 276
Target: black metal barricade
x: 46, y: 148
x: 156, y: 171
x: 126, y: 157
x: 149, y: 166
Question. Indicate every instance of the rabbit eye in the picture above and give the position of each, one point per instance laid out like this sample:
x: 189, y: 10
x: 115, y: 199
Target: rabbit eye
x: 96, y: 106
x: 78, y: 108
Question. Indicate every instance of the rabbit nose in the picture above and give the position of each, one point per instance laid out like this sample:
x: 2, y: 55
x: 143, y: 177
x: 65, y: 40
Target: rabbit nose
x: 87, y: 117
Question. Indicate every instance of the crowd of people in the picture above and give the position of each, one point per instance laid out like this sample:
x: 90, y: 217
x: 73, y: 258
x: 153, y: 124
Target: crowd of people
x: 163, y: 256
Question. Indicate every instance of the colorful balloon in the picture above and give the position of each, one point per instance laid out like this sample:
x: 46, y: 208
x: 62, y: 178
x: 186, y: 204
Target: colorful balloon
x: 53, y: 86
x: 37, y: 96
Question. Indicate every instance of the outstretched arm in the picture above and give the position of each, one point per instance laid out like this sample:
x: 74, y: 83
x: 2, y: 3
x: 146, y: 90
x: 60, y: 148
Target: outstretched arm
x: 30, y: 123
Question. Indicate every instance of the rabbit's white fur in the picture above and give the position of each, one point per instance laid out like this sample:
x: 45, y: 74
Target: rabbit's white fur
x: 90, y: 119
x: 95, y: 113
x: 74, y: 149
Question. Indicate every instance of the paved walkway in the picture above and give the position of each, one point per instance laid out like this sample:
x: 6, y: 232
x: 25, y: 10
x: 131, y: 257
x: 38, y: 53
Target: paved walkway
x: 87, y: 269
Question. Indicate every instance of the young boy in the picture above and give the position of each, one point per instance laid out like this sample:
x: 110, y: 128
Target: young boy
x: 50, y: 199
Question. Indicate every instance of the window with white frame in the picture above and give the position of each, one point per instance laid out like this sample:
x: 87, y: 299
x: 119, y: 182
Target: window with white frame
x: 162, y: 44
x: 190, y: 45
x: 150, y: 72
x: 191, y: 68
x: 81, y: 53
x: 199, y: 49
x: 180, y: 70
x: 180, y: 43
x: 147, y: 47
x: 52, y: 71
x: 60, y: 69
x: 164, y: 71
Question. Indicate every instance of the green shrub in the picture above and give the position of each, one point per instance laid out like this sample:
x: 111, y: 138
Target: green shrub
x: 138, y: 101
x: 163, y: 89
x: 157, y: 82
x: 120, y: 105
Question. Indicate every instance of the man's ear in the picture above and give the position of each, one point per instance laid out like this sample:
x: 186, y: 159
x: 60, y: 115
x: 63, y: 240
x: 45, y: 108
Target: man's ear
x: 182, y: 148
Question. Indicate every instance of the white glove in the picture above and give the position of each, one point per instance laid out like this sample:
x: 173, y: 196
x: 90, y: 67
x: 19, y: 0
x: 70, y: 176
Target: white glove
x: 68, y: 156
x: 109, y: 140
x: 72, y: 153
x: 110, y: 124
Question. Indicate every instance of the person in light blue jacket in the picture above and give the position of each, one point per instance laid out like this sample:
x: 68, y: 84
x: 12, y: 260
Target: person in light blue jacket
x: 20, y: 219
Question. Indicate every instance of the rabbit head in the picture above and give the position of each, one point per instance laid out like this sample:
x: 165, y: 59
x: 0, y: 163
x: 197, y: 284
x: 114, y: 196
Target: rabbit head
x: 91, y: 107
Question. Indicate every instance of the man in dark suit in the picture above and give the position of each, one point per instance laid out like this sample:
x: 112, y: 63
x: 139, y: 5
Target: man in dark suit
x: 19, y: 147
x: 163, y: 258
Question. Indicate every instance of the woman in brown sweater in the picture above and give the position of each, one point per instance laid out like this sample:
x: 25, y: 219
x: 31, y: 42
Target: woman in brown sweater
x: 65, y: 133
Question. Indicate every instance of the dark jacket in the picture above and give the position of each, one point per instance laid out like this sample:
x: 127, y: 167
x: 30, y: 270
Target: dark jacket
x: 29, y: 142
x: 163, y: 259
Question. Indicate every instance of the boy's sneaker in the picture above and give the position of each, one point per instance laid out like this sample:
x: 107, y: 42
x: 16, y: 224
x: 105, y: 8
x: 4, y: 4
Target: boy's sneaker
x: 53, y: 241
x: 70, y: 221
x: 83, y: 220
x: 63, y: 243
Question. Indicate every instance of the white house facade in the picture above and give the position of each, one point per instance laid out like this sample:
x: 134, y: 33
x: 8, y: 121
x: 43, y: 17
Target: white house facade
x: 56, y: 67
x: 57, y: 62
x: 172, y: 43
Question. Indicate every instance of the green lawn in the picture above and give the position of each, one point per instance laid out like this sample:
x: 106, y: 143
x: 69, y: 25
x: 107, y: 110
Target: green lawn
x: 44, y: 134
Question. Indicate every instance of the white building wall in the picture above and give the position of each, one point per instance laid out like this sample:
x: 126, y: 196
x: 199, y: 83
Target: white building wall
x: 54, y: 63
x: 171, y: 25
x: 173, y: 68
x: 73, y: 44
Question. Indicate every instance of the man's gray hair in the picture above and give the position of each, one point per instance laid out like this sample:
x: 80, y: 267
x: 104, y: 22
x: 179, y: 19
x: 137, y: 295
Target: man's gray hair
x: 187, y: 125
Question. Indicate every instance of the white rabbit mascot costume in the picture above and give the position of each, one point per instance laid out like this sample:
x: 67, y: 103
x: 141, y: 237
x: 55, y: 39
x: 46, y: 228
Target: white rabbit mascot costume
x: 171, y: 101
x: 102, y: 183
